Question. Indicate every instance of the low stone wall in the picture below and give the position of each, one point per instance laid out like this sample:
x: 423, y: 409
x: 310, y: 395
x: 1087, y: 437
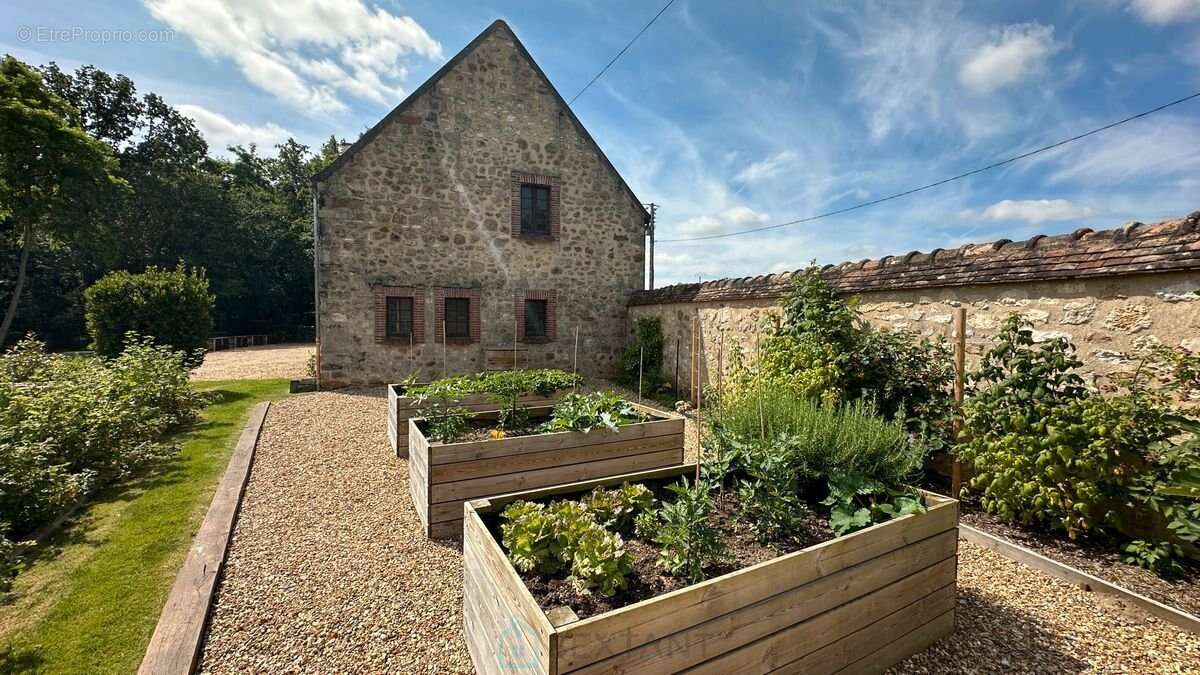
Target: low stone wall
x: 1111, y: 293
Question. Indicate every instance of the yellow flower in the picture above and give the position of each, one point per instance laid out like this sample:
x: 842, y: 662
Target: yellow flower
x: 497, y: 433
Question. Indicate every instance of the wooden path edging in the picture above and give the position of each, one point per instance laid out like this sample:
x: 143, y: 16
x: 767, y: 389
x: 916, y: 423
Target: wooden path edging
x: 175, y: 646
x: 1087, y: 581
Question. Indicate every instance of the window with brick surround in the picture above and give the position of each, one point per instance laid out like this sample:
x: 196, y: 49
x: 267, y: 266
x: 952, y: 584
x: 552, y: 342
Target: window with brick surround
x: 399, y: 314
x: 456, y: 315
x: 536, y: 315
x: 535, y: 206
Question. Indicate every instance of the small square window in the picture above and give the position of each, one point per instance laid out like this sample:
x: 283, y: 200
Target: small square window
x: 535, y: 210
x: 458, y: 318
x: 535, y: 318
x: 399, y: 322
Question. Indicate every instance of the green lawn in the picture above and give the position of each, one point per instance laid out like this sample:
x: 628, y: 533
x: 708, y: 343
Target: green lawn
x: 90, y: 598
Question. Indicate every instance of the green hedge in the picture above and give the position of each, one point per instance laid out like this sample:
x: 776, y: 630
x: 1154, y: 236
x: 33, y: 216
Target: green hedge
x: 172, y: 306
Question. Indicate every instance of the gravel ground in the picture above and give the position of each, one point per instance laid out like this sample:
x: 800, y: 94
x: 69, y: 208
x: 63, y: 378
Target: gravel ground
x: 256, y: 363
x: 1014, y: 619
x: 328, y: 572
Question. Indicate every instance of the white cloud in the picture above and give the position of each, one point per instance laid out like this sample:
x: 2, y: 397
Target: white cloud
x: 1161, y: 12
x: 766, y: 168
x: 1030, y: 211
x: 1163, y: 148
x: 1011, y: 55
x: 222, y: 132
x: 733, y: 218
x: 305, y: 52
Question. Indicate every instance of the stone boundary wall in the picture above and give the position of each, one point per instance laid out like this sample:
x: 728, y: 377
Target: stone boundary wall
x: 1130, y: 288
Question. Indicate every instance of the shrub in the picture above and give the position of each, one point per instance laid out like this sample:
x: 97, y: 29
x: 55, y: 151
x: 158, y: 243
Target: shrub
x: 172, y: 306
x: 683, y: 528
x: 1045, y: 451
x: 69, y: 425
x: 10, y: 561
x: 644, y: 357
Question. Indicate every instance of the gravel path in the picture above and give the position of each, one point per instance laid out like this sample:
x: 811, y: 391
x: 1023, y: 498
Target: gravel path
x: 328, y: 572
x: 256, y: 363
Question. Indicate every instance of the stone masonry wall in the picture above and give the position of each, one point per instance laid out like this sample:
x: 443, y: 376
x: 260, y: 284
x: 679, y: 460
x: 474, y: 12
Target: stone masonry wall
x: 1107, y: 319
x: 427, y: 203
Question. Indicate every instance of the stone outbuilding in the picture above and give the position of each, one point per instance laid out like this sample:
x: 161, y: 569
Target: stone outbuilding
x: 476, y: 224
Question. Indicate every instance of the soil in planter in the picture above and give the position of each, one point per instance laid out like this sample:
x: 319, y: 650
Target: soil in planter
x: 1095, y: 557
x: 648, y: 580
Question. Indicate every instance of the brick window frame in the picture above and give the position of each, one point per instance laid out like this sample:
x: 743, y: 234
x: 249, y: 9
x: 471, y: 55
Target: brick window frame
x: 551, y: 298
x: 518, y: 179
x: 382, y: 293
x: 439, y: 314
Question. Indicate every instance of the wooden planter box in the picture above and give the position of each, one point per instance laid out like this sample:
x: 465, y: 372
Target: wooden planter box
x: 858, y: 603
x: 442, y: 477
x: 401, y: 408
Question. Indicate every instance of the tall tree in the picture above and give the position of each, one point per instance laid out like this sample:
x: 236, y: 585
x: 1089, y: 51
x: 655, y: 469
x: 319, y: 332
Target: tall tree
x: 49, y: 167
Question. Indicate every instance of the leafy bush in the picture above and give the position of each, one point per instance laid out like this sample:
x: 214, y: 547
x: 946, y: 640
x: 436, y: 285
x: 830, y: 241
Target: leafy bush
x: 644, y: 357
x: 172, y: 306
x: 1044, y: 450
x: 616, y: 509
x: 69, y: 425
x: 584, y: 412
x: 683, y: 528
x: 565, y: 535
x: 10, y: 560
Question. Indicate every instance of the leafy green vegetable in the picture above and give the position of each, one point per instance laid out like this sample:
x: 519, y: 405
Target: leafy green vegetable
x: 683, y: 528
x: 584, y: 412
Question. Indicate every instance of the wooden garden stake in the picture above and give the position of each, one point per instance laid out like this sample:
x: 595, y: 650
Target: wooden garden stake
x: 444, y: 349
x: 641, y: 356
x: 699, y: 404
x: 960, y: 357
x: 575, y: 361
x: 677, y: 392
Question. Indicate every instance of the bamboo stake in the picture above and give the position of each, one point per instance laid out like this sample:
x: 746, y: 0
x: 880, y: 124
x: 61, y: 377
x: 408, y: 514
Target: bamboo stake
x: 677, y: 392
x: 960, y: 356
x: 762, y: 422
x: 699, y: 402
x: 443, y: 348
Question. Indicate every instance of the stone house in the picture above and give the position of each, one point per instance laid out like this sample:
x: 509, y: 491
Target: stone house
x: 476, y: 224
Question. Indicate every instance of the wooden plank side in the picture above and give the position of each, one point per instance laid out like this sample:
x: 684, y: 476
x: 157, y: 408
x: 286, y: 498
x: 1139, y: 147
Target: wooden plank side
x: 175, y: 644
x: 802, y: 639
x: 446, y: 473
x: 907, y: 645
x: 601, y: 636
x: 494, y: 639
x: 683, y: 643
x: 494, y: 485
x: 507, y: 590
x: 559, y: 440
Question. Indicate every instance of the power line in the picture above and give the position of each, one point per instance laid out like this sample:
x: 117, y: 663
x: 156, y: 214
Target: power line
x: 620, y: 53
x: 960, y: 176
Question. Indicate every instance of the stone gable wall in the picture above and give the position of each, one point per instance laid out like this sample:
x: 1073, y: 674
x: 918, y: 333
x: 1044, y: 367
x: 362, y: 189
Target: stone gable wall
x: 1107, y: 319
x: 427, y: 203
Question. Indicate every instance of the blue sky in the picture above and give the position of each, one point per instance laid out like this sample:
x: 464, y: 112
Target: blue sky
x: 729, y: 115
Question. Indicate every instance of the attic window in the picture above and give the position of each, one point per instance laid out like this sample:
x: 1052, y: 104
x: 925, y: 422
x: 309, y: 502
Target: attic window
x: 535, y: 210
x: 535, y: 206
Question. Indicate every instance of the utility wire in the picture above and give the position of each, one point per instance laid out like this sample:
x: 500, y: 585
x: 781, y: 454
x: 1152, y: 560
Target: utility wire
x: 960, y: 176
x: 620, y: 53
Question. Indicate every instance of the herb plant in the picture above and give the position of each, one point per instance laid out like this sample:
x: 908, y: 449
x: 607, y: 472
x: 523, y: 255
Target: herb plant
x: 683, y: 528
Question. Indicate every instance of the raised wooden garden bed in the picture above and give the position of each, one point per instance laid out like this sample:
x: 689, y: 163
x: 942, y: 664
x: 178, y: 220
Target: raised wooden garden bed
x: 443, y: 476
x: 401, y: 408
x: 859, y: 603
